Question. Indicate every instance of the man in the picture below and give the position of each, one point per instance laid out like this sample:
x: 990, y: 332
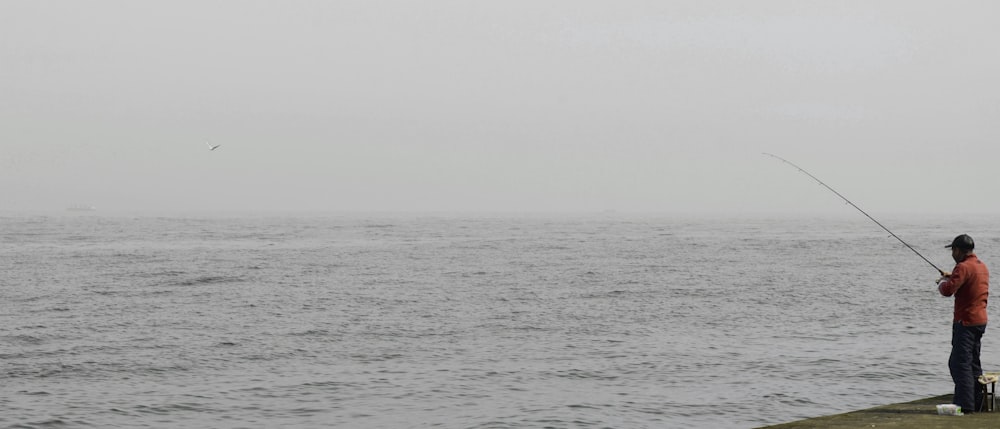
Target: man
x: 969, y: 282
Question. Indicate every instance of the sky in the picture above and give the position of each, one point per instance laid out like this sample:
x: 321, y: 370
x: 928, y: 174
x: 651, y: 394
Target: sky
x: 500, y: 106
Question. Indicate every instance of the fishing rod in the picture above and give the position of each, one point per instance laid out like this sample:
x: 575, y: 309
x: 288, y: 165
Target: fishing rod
x: 859, y: 209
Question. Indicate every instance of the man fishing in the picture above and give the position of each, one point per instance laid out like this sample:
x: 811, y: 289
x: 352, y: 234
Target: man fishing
x: 969, y: 282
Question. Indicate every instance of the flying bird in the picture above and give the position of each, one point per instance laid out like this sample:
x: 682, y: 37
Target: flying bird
x: 210, y: 147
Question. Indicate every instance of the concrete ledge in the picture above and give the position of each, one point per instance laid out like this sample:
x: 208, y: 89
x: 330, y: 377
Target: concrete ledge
x: 921, y: 414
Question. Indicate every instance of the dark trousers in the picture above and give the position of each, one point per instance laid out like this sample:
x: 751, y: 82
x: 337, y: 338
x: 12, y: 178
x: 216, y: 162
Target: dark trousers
x: 964, y: 365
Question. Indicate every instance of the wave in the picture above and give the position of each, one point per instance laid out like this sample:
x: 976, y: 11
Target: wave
x: 204, y: 280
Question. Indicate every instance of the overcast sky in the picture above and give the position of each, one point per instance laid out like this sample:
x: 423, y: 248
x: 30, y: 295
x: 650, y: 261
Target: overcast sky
x: 416, y: 105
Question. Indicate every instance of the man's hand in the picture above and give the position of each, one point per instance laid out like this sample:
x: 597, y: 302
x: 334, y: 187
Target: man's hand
x: 944, y: 276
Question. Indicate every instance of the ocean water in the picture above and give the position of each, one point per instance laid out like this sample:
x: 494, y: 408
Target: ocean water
x: 470, y: 321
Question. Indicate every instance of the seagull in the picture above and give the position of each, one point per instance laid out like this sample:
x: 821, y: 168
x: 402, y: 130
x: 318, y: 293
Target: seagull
x: 210, y: 147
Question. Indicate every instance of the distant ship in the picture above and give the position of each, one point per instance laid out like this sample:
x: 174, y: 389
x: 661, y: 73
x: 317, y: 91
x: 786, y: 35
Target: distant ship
x: 81, y: 208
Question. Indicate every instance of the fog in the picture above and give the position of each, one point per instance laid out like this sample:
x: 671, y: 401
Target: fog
x: 501, y: 106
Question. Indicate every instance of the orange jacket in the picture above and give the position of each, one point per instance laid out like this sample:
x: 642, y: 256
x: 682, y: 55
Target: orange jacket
x: 970, y: 283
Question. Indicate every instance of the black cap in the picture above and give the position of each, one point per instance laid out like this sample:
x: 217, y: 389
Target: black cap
x: 963, y: 242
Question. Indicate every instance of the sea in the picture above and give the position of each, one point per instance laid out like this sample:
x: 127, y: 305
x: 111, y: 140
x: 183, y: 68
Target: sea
x: 397, y: 320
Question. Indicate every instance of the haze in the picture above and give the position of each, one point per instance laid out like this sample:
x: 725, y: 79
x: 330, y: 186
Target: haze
x: 510, y: 106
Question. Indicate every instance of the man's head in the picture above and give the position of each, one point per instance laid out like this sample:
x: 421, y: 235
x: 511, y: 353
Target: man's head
x: 961, y: 246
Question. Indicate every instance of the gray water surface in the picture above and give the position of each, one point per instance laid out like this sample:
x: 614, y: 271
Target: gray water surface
x: 468, y: 321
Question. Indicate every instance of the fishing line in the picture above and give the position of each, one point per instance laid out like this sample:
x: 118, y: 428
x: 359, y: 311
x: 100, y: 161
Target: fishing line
x: 859, y: 209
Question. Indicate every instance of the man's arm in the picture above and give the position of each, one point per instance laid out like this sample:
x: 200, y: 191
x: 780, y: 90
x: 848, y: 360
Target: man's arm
x: 952, y: 282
